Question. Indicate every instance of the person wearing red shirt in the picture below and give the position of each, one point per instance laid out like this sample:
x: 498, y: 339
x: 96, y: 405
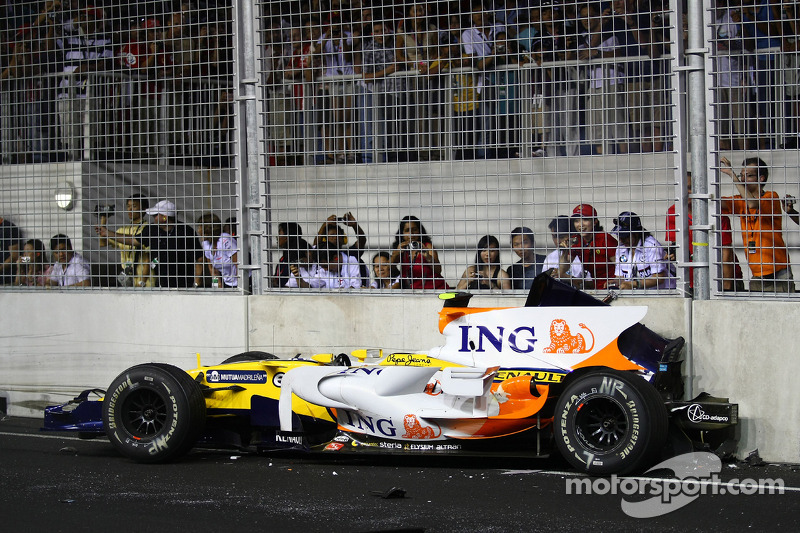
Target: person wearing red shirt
x: 595, y: 248
x: 731, y: 271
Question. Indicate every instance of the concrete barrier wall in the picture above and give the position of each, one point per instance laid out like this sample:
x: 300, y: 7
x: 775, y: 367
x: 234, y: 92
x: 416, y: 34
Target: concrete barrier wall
x: 748, y: 351
x: 57, y: 344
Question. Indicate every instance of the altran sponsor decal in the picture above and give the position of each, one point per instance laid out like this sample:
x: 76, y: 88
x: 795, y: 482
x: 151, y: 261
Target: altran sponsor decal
x: 236, y: 376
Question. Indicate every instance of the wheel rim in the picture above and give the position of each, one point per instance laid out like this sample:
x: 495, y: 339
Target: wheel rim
x: 145, y: 413
x: 601, y: 424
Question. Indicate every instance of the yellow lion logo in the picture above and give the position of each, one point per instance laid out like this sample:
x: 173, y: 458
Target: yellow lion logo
x: 561, y: 341
x: 415, y: 430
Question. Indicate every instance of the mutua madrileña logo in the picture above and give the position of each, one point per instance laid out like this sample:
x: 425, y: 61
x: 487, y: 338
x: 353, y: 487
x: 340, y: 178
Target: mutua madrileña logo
x: 236, y: 376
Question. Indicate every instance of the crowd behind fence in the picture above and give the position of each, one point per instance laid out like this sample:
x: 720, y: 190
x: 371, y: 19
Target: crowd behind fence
x: 524, y: 93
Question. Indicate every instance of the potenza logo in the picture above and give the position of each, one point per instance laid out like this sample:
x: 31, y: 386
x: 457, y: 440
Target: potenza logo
x: 695, y: 474
x: 236, y: 376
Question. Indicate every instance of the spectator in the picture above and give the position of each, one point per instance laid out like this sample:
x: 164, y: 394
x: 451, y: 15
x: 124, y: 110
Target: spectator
x: 641, y: 260
x: 85, y: 48
x: 299, y: 256
x: 417, y: 40
x: 31, y: 265
x: 731, y: 271
x: 278, y: 58
x: 182, y: 41
x: 337, y: 50
x: 603, y: 40
x: 416, y: 257
x: 29, y: 65
x: 761, y: 23
x: 69, y: 269
x: 479, y: 45
x: 385, y: 274
x: 301, y: 70
x: 141, y: 59
x: 529, y: 29
x: 486, y: 272
x: 730, y: 86
x: 760, y: 213
x: 173, y: 246
x: 451, y: 34
x: 219, y: 263
x: 560, y: 82
x: 465, y: 95
x: 561, y: 263
x: 174, y: 249
x: 332, y: 269
x: 332, y: 233
x: 381, y: 95
x: 595, y: 248
x: 10, y: 240
x: 523, y: 272
x: 507, y: 85
x: 417, y: 44
x: 290, y: 241
x: 790, y: 46
x: 507, y: 13
x: 231, y: 227
x: 643, y: 77
x: 134, y: 259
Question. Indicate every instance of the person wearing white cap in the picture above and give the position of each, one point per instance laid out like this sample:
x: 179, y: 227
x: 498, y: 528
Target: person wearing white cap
x: 174, y: 248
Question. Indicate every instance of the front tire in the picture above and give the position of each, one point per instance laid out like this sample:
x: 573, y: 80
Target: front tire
x: 153, y: 413
x: 610, y: 422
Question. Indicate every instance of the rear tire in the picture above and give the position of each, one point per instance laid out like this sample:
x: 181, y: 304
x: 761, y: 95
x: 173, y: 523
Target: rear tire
x: 246, y: 357
x: 610, y: 422
x: 154, y: 413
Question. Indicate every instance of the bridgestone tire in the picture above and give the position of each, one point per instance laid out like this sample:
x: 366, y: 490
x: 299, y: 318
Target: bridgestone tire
x: 154, y: 413
x: 249, y: 356
x: 610, y: 422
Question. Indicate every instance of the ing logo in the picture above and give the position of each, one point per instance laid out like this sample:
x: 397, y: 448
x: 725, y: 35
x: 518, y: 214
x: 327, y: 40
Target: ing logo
x: 562, y: 341
x: 415, y: 430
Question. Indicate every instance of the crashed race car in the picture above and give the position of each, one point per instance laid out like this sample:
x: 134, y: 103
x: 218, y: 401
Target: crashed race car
x: 565, y: 372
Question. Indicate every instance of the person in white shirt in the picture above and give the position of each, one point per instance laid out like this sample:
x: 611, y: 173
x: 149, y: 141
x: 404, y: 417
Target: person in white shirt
x: 561, y: 263
x: 640, y: 259
x: 220, y: 254
x: 70, y: 269
x: 332, y: 269
x: 478, y: 44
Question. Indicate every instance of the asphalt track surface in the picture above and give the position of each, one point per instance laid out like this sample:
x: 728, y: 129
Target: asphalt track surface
x: 54, y: 482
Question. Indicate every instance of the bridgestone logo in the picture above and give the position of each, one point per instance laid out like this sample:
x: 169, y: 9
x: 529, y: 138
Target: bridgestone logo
x: 112, y: 401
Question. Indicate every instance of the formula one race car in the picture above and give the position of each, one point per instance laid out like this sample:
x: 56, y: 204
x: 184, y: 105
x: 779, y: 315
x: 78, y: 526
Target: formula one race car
x: 565, y: 371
